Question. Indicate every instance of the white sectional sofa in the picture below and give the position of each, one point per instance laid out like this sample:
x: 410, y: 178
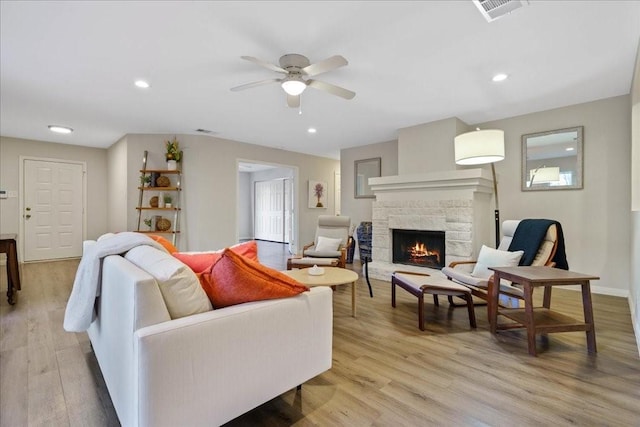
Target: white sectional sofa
x: 208, y: 368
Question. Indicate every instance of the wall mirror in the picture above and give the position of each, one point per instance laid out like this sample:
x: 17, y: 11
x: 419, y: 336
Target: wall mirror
x: 552, y: 160
x: 365, y: 169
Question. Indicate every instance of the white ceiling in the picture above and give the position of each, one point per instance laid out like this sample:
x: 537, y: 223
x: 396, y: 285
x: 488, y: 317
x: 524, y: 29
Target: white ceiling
x: 73, y: 63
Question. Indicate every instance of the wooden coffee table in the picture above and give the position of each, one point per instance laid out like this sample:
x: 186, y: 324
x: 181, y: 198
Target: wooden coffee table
x: 333, y: 276
x: 542, y: 320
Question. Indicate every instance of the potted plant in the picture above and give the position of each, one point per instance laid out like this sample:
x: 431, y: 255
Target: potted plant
x: 173, y: 154
x: 167, y: 201
x: 145, y: 180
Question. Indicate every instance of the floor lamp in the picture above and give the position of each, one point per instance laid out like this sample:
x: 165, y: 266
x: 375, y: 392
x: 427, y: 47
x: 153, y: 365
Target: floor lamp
x: 480, y: 147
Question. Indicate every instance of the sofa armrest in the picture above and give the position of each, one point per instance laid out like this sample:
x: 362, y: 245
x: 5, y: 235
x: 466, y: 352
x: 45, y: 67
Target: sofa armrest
x: 217, y: 365
x: 129, y: 299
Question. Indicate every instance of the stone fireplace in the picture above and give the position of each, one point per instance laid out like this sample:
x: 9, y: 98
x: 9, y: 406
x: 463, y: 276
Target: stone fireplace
x: 454, y: 203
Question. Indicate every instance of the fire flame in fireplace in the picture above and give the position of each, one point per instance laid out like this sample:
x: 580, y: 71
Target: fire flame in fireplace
x: 419, y: 250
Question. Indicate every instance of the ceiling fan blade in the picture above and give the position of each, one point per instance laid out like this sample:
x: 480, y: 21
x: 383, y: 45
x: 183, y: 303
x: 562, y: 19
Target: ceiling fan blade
x: 265, y: 64
x: 333, y: 89
x: 254, y: 84
x: 325, y: 65
x: 293, y: 101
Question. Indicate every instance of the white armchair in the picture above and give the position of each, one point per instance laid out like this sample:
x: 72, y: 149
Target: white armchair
x: 329, y: 246
x: 463, y: 272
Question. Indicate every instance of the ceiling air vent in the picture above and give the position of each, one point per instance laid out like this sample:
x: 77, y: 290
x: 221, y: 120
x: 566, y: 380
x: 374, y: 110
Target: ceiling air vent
x: 494, y: 9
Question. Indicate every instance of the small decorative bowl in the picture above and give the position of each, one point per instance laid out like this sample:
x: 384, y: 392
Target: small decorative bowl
x: 163, y: 181
x: 163, y: 224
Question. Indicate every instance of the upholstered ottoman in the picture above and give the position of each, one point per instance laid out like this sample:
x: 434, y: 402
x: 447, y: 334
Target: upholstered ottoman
x: 419, y: 284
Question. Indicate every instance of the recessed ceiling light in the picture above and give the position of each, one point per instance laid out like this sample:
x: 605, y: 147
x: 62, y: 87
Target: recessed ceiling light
x: 312, y: 130
x: 500, y: 77
x: 60, y: 129
x: 142, y: 84
x: 569, y: 149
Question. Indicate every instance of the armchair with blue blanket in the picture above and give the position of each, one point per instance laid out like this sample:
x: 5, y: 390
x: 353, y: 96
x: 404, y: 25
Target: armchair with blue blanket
x: 536, y: 242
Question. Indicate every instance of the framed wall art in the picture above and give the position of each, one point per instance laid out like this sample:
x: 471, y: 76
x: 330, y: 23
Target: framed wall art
x: 317, y: 194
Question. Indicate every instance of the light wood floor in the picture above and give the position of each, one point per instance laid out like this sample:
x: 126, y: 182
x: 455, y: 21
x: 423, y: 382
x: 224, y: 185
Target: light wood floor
x: 386, y: 372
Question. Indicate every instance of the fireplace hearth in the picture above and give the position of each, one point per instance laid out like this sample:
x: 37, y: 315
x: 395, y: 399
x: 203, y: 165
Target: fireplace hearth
x: 423, y: 248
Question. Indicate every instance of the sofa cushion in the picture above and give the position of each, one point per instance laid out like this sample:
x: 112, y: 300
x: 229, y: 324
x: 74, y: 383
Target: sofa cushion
x: 201, y: 261
x: 234, y: 279
x: 179, y: 286
x: 490, y: 257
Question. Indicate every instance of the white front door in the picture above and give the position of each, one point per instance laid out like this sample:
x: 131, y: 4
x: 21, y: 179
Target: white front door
x: 53, y: 205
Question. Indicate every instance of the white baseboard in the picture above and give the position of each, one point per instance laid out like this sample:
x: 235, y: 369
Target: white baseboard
x: 634, y: 323
x: 610, y: 291
x: 600, y: 290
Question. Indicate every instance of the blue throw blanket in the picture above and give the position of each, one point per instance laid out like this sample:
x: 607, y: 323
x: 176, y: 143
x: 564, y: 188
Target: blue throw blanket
x: 529, y: 236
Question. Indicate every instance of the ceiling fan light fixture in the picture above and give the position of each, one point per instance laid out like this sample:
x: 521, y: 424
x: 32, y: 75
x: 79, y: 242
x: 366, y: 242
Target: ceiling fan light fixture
x: 294, y: 86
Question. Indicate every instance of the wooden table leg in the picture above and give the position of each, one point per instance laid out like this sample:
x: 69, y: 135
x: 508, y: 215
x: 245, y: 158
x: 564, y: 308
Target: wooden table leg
x: 393, y: 292
x: 546, y: 298
x: 353, y: 299
x: 9, y: 246
x: 587, y: 307
x: 492, y: 303
x: 529, y: 318
x: 421, y: 312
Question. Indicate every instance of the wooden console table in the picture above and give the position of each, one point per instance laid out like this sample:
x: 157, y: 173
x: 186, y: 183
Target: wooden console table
x: 541, y: 320
x: 8, y: 246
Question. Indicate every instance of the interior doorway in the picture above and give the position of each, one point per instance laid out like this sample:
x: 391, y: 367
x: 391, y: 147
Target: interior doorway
x: 267, y: 203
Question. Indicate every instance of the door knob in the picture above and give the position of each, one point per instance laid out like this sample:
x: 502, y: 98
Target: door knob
x: 27, y: 216
x: 28, y: 209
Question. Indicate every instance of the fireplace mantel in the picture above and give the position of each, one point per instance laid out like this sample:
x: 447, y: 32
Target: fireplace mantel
x: 473, y: 180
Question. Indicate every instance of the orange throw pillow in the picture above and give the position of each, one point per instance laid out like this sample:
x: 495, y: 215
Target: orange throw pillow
x: 201, y: 261
x: 164, y: 242
x: 234, y: 279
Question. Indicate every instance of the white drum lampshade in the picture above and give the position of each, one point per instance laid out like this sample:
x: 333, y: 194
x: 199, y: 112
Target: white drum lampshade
x: 478, y: 147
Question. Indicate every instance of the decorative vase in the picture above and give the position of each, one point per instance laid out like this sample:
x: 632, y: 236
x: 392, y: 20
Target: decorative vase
x: 161, y: 200
x: 172, y: 165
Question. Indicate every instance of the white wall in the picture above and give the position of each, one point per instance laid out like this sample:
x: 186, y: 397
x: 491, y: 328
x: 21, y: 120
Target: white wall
x: 118, y: 186
x: 634, y: 294
x: 428, y: 147
x: 596, y: 219
x: 245, y: 205
x: 209, y: 181
x: 95, y: 158
x: 360, y: 209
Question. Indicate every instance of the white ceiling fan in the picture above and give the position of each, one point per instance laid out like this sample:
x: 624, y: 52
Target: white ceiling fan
x: 296, y: 69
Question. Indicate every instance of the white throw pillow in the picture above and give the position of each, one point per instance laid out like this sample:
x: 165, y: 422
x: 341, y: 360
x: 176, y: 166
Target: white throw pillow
x: 179, y: 286
x: 490, y: 257
x: 327, y: 244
